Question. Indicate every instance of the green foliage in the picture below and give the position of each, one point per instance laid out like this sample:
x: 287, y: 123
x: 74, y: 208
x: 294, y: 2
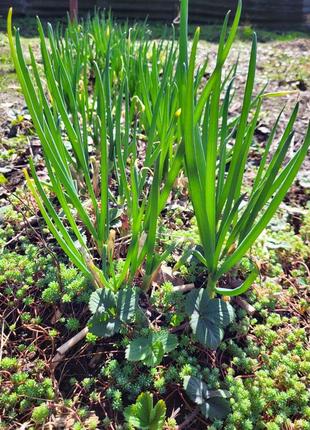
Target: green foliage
x: 72, y: 324
x: 110, y: 310
x: 213, y: 403
x: 144, y: 415
x: 40, y: 413
x: 69, y: 286
x: 118, y: 118
x: 166, y: 115
x: 169, y: 302
x: 117, y: 403
x: 26, y: 390
x: 91, y: 162
x: 17, y: 268
x: 199, y: 124
x: 226, y: 231
x: 151, y: 350
x: 130, y: 379
x: 208, y: 317
x: 276, y: 393
x: 8, y: 363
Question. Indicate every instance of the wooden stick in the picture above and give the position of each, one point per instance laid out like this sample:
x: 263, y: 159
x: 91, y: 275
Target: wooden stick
x: 189, y: 419
x: 74, y: 10
x: 245, y: 305
x: 184, y: 288
x: 63, y: 349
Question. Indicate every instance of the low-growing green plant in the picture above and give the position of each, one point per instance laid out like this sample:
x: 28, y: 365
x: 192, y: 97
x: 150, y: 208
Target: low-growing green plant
x: 144, y: 415
x: 40, y: 413
x: 8, y: 363
x: 213, y: 403
x: 275, y: 395
x: 111, y: 310
x: 118, y: 119
x: 25, y: 390
x: 70, y: 286
x: 208, y: 317
x: 72, y: 324
x: 151, y: 349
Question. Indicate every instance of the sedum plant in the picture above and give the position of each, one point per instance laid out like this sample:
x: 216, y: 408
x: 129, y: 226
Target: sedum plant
x: 229, y: 221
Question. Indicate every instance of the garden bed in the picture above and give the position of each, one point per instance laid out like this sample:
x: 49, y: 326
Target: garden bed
x: 262, y: 361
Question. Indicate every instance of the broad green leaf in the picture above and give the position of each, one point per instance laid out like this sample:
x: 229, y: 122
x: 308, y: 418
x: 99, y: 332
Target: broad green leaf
x: 158, y: 415
x: 151, y: 349
x: 195, y: 389
x: 219, y: 311
x: 208, y: 317
x: 213, y: 403
x: 127, y: 303
x: 216, y: 408
x: 103, y: 328
x: 168, y: 340
x: 138, y: 349
x: 143, y: 415
x: 205, y: 331
x: 101, y: 301
x: 155, y: 354
x: 192, y: 301
x: 199, y: 392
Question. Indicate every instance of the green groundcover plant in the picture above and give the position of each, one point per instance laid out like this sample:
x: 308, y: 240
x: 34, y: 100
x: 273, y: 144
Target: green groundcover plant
x: 263, y: 362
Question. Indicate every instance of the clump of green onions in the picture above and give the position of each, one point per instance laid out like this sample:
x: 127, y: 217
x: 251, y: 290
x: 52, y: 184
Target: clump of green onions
x: 118, y: 117
x: 215, y: 160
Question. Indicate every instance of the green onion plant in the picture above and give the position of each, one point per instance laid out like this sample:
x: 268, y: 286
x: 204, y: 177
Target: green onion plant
x: 106, y: 150
x: 229, y: 221
x: 118, y: 117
